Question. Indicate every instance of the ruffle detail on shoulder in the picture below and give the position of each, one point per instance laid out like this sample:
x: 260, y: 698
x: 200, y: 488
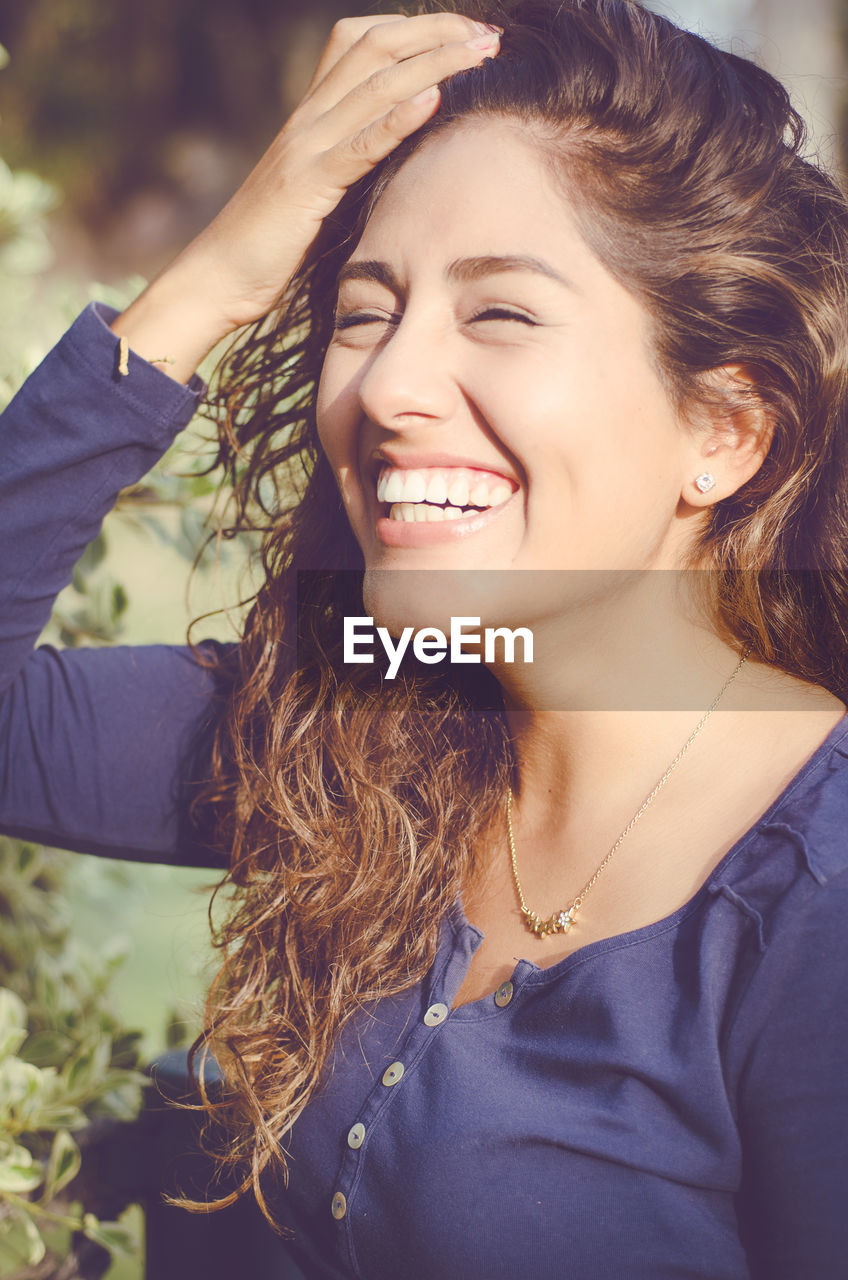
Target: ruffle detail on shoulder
x: 746, y: 908
x: 798, y: 847
x: 815, y: 819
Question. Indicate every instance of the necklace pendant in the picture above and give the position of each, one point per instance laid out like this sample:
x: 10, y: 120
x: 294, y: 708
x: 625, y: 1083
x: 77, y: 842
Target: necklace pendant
x: 561, y: 922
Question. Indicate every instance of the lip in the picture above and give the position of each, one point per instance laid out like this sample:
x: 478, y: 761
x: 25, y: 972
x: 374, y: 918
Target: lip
x: 401, y: 533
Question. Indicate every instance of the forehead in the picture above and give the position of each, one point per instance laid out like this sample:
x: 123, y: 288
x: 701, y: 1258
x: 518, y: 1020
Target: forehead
x: 476, y: 186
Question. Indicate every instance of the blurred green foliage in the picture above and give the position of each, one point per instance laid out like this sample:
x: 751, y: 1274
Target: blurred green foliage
x: 170, y: 100
x: 68, y: 1065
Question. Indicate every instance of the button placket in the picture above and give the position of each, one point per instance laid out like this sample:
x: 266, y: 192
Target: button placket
x: 417, y: 1041
x: 436, y: 1014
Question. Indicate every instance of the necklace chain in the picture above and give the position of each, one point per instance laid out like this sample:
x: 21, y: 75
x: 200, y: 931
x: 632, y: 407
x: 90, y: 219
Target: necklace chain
x: 561, y: 921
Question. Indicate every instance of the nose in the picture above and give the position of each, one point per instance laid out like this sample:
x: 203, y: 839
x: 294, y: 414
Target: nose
x: 410, y: 380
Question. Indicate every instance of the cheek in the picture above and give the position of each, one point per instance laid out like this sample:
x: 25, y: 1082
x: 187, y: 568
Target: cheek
x: 601, y: 454
x: 336, y: 410
x: 338, y: 418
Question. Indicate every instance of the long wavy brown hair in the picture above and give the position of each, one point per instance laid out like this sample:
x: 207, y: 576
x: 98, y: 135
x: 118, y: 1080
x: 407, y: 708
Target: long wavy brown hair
x: 350, y: 809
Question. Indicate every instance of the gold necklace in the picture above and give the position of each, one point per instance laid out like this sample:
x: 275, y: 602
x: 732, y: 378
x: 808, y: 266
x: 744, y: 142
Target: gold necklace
x: 561, y: 921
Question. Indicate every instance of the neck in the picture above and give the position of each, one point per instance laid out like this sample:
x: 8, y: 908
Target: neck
x: 640, y: 669
x: 616, y: 642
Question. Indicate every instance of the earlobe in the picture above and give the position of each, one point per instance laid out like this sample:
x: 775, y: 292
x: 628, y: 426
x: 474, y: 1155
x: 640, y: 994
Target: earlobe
x: 736, y: 431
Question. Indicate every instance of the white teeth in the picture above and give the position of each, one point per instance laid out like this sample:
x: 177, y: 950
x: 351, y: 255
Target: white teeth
x: 410, y: 512
x: 437, y: 490
x: 415, y: 487
x: 432, y: 495
x: 393, y: 491
x: 458, y: 493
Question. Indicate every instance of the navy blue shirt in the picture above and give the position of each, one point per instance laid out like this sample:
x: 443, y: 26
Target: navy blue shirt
x: 667, y: 1104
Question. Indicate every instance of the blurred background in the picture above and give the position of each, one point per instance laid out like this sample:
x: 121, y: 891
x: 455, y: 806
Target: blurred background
x: 147, y: 116
x: 123, y: 129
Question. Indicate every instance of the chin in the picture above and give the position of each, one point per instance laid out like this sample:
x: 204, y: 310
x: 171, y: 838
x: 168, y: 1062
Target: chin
x: 398, y: 598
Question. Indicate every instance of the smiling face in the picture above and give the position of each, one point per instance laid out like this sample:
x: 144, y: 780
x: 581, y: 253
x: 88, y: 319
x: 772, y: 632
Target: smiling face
x: 489, y: 399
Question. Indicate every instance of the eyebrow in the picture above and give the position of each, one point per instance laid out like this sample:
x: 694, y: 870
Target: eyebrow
x: 463, y: 269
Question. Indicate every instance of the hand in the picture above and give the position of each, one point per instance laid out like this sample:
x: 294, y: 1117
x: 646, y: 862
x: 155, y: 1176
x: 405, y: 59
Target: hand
x: 376, y: 83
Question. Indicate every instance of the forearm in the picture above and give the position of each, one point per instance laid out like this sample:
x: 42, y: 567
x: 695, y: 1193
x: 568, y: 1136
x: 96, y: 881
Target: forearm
x: 74, y: 436
x: 100, y: 750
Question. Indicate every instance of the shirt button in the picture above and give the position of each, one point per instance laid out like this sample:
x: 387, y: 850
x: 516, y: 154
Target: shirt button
x: 356, y: 1136
x: 339, y: 1206
x: 392, y: 1074
x: 435, y: 1014
x: 503, y: 995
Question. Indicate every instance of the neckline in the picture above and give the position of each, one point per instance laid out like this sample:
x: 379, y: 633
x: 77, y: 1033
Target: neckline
x: 528, y: 972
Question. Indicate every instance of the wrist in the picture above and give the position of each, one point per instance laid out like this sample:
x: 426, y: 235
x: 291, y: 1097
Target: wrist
x: 173, y: 323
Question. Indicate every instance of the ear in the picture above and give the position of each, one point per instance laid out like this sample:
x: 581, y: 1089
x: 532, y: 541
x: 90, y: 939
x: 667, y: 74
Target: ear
x: 731, y: 433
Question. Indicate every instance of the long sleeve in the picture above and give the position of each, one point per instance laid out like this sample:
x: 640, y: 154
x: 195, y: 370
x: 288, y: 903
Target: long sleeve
x: 100, y: 749
x: 793, y: 1097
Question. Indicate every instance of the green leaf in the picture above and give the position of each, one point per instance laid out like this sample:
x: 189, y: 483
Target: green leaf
x: 19, y: 1172
x: 126, y: 1049
x: 47, y: 1047
x: 12, y: 1022
x: 119, y: 601
x: 36, y: 1248
x: 86, y: 1070
x: 63, y: 1165
x: 112, y: 1235
x: 22, y: 1087
x: 123, y: 1100
x: 93, y: 556
x: 63, y: 1117
x: 17, y: 1241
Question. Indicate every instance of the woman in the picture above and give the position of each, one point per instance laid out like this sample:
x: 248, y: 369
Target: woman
x: 542, y: 973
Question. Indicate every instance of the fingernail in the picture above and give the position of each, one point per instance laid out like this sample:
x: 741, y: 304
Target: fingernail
x: 425, y: 96
x: 483, y: 42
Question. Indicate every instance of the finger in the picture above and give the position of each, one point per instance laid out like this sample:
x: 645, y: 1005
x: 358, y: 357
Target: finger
x: 369, y: 102
x: 343, y: 36
x: 391, y: 43
x: 357, y: 155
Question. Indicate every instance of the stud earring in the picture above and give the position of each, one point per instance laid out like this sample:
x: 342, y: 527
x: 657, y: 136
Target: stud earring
x: 704, y: 482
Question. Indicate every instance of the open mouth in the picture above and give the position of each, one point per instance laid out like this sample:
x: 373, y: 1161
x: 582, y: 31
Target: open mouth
x: 436, y: 494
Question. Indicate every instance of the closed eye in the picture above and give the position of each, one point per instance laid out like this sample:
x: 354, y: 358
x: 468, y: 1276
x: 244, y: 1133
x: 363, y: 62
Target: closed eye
x: 353, y: 318
x: 503, y: 313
